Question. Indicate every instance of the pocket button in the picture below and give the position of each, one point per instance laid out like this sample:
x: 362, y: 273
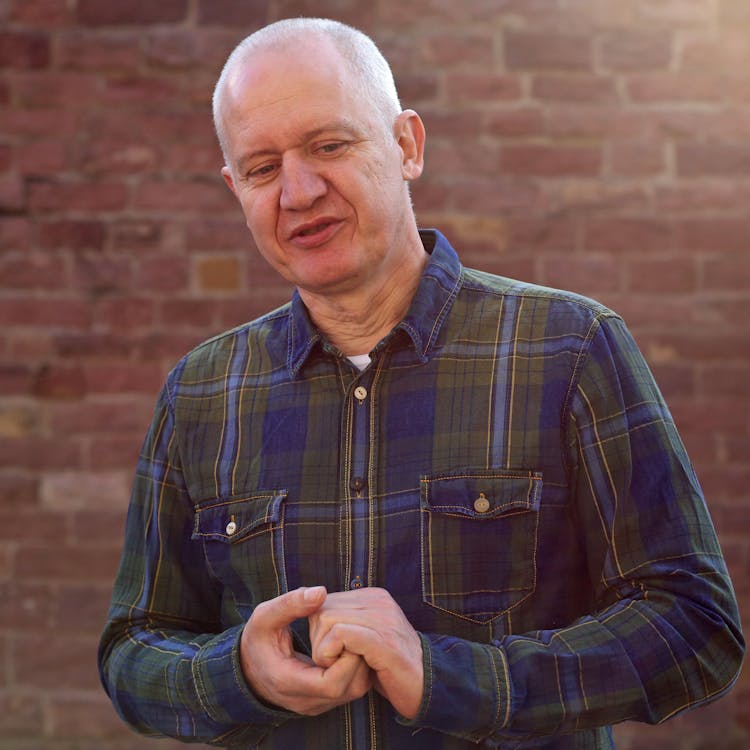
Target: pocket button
x: 481, y: 504
x: 231, y: 528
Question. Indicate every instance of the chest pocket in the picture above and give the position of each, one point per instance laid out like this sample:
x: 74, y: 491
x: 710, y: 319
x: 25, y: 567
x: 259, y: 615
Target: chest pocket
x: 243, y: 542
x: 479, y: 538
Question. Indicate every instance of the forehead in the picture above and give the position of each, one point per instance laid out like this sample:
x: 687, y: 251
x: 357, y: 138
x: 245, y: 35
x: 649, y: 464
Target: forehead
x: 273, y: 91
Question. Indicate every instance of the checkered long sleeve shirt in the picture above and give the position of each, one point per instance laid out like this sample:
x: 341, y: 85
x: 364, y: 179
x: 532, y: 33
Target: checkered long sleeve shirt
x: 506, y: 468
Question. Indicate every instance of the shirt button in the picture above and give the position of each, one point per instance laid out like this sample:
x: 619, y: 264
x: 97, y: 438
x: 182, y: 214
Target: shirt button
x: 360, y: 393
x: 481, y: 504
x: 356, y: 583
x: 231, y: 528
x: 357, y: 484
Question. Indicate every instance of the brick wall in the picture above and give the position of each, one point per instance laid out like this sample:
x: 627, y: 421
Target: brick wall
x: 597, y: 145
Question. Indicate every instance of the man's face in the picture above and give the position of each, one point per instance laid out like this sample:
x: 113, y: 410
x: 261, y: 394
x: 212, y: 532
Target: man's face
x: 320, y: 176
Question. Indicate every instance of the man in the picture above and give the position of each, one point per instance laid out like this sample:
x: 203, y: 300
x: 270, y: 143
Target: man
x: 420, y: 506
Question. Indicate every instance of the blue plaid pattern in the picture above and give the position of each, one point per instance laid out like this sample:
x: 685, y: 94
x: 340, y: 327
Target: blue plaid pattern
x: 506, y: 467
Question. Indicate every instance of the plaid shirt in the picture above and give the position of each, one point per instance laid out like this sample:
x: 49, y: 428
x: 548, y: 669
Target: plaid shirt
x: 506, y: 468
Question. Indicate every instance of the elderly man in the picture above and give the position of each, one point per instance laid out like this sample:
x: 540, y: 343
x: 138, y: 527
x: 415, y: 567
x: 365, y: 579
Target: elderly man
x: 419, y: 506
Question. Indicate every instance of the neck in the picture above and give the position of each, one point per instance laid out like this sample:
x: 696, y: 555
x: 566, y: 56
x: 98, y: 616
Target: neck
x: 355, y: 321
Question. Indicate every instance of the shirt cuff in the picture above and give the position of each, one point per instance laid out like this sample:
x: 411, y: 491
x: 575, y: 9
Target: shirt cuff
x: 466, y: 688
x: 222, y: 688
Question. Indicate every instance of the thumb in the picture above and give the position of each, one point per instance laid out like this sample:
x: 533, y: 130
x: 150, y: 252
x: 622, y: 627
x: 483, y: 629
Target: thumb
x: 283, y: 610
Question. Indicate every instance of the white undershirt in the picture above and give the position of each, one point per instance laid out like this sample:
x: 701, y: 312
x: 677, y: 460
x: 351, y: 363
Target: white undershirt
x: 360, y: 361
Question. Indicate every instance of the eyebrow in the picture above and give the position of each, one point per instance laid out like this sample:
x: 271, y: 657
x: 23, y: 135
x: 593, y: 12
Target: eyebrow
x: 332, y: 126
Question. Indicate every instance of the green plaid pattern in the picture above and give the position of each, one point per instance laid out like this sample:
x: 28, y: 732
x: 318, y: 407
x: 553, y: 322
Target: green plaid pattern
x: 506, y: 468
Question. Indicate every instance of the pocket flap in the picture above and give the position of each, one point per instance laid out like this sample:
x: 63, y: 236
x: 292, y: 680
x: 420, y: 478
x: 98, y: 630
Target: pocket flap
x: 233, y: 519
x: 482, y: 494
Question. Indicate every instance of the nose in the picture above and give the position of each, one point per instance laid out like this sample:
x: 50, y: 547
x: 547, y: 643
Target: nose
x: 301, y: 184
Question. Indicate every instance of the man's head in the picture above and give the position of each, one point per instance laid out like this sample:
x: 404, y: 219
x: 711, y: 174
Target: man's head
x: 320, y: 155
x: 371, y: 69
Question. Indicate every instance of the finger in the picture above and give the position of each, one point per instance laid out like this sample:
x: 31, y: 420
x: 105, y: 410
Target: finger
x: 278, y: 613
x: 346, y: 636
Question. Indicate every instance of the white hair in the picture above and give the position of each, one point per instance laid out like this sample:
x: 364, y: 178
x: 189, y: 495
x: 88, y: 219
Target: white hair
x: 355, y: 47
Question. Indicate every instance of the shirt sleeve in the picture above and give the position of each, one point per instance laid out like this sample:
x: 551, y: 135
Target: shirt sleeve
x: 164, y: 659
x: 664, y: 634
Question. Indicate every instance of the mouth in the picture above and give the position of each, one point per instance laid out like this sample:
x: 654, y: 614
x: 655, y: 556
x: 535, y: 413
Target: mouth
x: 315, y: 233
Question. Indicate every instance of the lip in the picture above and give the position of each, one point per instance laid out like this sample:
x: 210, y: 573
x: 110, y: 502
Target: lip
x: 329, y: 225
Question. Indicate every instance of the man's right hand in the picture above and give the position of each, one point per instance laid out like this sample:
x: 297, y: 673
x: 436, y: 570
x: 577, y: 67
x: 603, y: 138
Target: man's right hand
x: 282, y: 676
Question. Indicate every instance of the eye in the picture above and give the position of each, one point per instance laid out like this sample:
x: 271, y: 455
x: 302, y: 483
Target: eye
x: 262, y: 171
x: 331, y: 148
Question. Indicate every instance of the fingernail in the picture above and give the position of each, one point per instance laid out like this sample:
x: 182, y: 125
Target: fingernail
x: 312, y: 594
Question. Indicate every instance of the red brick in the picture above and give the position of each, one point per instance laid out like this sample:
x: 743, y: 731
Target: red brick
x: 88, y: 523
x: 35, y: 123
x: 598, y: 196
x: 91, y: 345
x: 230, y: 13
x: 12, y: 195
x: 162, y: 273
x: 544, y: 233
x: 716, y: 234
x: 40, y: 157
x: 663, y: 275
x: 115, y: 451
x: 637, y: 158
x: 84, y: 196
x: 61, y: 563
x: 32, y: 271
x: 201, y: 196
x: 21, y: 714
x: 536, y: 50
x: 728, y: 380
x: 602, y: 121
x: 99, y: 274
x: 587, y: 274
x: 6, y: 158
x: 629, y: 234
x: 189, y: 313
x: 123, y: 378
x: 676, y: 13
x: 56, y: 382
x: 724, y: 50
x: 121, y: 314
x: 18, y: 490
x: 490, y: 195
x: 726, y: 159
x: 449, y: 157
x: 136, y: 234
x: 98, y: 51
x: 71, y: 233
x: 72, y: 668
x: 675, y: 87
x: 125, y: 414
x: 15, y: 379
x: 138, y: 90
x: 24, y: 49
x: 485, y: 88
x: 636, y: 50
x: 725, y: 273
x: 514, y: 123
x: 551, y: 161
x: 15, y: 234
x: 37, y: 453
x: 40, y: 13
x: 133, y: 12
x: 219, y: 234
x: 417, y: 88
x: 574, y: 87
x: 459, y: 50
x: 67, y: 90
x: 92, y: 717
x: 56, y: 313
x: 172, y: 49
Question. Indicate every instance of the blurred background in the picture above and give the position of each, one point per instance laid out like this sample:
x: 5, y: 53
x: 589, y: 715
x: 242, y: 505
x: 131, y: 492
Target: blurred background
x: 601, y: 146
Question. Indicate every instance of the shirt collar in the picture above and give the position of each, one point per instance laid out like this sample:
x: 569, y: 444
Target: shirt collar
x: 438, y: 287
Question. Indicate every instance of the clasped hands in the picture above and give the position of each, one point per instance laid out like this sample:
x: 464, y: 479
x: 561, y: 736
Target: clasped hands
x: 360, y: 639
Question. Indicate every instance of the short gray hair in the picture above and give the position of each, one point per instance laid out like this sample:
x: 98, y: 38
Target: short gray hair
x: 354, y: 46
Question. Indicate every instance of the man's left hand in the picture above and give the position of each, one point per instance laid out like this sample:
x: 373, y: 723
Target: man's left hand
x: 368, y: 622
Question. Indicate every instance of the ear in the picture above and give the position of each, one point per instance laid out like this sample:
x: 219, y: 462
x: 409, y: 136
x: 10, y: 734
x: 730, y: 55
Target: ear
x: 226, y: 173
x: 408, y: 129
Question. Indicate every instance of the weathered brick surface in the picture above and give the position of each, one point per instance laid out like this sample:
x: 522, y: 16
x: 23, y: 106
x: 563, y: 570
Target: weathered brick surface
x: 595, y: 145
